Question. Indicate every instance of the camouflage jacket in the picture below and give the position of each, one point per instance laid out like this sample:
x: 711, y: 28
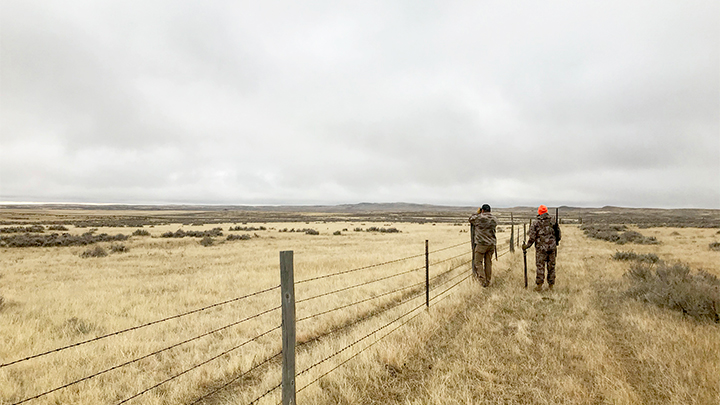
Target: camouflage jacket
x: 542, y: 233
x: 484, y: 225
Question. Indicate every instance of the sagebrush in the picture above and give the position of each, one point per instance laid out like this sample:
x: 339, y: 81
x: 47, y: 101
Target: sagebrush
x: 677, y: 287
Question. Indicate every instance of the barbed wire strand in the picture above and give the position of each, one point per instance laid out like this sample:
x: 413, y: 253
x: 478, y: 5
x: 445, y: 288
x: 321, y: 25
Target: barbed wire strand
x: 373, y: 314
x: 200, y: 364
x: 449, y: 288
x: 375, y: 280
x: 384, y: 336
x: 265, y: 394
x: 359, y: 285
x: 255, y: 367
x: 147, y: 355
x: 448, y: 247
x: 361, y: 319
x: 95, y: 339
x: 360, y: 302
x: 357, y: 341
x: 374, y: 265
x: 358, y: 353
x: 377, y: 330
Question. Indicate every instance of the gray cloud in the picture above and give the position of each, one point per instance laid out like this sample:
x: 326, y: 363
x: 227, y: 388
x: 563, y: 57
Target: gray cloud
x: 438, y: 102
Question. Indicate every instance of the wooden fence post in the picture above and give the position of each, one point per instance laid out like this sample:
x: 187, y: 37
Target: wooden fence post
x: 427, y: 275
x: 512, y: 234
x: 287, y: 288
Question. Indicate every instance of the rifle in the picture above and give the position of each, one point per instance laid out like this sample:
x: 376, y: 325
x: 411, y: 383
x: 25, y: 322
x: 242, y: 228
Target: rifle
x: 524, y: 256
x: 556, y: 228
x: 472, y: 243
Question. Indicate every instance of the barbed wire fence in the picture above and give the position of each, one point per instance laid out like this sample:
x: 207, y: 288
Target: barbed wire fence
x: 386, y: 303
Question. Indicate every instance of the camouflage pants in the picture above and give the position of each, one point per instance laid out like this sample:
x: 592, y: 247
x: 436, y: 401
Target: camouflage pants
x: 543, y: 258
x: 482, y: 260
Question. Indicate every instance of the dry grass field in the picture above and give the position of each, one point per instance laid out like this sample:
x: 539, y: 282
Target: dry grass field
x: 586, y: 342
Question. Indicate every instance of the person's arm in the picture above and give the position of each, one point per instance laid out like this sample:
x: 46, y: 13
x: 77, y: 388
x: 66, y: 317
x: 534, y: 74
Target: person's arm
x: 532, y: 233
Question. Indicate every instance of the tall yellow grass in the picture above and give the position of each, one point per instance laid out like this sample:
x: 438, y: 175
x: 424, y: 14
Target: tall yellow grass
x: 53, y: 298
x: 583, y: 343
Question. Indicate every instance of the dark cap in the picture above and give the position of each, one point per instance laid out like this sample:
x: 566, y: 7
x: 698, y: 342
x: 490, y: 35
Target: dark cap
x: 486, y: 208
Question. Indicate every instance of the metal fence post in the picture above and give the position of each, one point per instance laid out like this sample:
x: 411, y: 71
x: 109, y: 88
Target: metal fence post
x: 427, y: 275
x: 287, y: 288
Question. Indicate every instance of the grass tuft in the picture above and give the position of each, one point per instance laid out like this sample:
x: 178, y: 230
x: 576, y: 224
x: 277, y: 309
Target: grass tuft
x: 715, y: 246
x: 118, y: 248
x: 611, y: 233
x: 97, y: 251
x: 194, y: 234
x: 239, y: 237
x: 632, y: 256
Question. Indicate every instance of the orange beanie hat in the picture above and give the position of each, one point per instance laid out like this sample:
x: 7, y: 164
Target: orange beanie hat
x: 542, y: 209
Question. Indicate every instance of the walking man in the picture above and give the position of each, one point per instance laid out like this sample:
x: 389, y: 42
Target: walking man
x: 542, y: 234
x: 484, y: 224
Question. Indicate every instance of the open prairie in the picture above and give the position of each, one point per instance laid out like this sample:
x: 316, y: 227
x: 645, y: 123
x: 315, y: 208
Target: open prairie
x: 588, y: 341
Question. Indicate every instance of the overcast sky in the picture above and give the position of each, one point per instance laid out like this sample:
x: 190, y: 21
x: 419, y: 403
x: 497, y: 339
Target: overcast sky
x: 324, y: 102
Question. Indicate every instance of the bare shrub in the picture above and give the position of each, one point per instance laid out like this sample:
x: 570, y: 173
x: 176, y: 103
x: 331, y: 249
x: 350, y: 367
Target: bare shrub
x: 23, y: 229
x: 383, y: 230
x: 239, y: 237
x: 715, y: 246
x: 311, y: 232
x: 337, y: 233
x: 97, y: 251
x: 54, y: 239
x: 118, y: 248
x: 611, y: 233
x: 358, y: 230
x: 676, y: 287
x: 637, y: 238
x: 246, y: 228
x: 57, y: 228
x: 195, y: 234
x: 207, y: 241
x: 141, y: 232
x: 632, y: 256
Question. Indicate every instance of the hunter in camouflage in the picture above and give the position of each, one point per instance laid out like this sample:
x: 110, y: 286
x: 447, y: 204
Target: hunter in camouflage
x: 483, y: 224
x: 542, y: 234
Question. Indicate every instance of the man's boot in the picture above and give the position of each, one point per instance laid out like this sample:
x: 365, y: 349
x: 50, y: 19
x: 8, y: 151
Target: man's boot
x: 538, y: 288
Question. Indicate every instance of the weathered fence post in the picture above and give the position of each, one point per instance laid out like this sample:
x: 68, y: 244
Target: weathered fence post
x: 512, y: 234
x: 287, y: 288
x: 427, y: 275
